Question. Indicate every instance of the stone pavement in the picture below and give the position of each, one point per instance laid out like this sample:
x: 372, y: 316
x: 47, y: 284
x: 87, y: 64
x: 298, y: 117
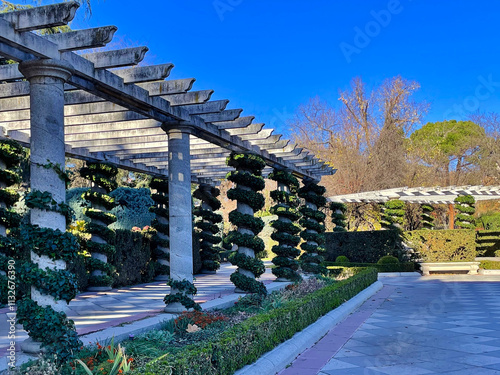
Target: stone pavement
x: 426, y: 325
x: 95, y: 311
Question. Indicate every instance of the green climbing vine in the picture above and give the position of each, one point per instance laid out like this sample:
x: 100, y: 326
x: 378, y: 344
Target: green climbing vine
x: 11, y: 153
x: 393, y: 213
x: 465, y: 205
x: 161, y: 242
x: 207, y: 225
x: 101, y: 237
x: 427, y: 219
x: 184, y: 290
x: 249, y: 181
x: 312, y: 222
x: 338, y: 216
x: 285, y: 229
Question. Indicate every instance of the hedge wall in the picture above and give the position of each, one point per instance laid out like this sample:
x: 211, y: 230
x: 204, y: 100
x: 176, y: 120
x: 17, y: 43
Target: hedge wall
x: 393, y: 267
x: 362, y: 247
x: 244, y: 343
x: 453, y: 245
x: 488, y: 243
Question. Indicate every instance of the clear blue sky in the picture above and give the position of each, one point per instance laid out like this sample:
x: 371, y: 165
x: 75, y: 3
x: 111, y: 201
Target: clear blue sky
x: 268, y: 57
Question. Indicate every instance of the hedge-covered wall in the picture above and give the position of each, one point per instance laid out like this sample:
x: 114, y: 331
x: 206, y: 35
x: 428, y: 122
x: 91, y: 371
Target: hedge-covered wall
x: 488, y: 243
x: 362, y: 247
x: 453, y: 245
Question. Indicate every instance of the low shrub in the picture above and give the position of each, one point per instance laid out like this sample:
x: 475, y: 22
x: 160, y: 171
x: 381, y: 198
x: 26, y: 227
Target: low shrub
x: 363, y: 247
x: 391, y: 267
x: 245, y: 342
x: 489, y: 265
x: 388, y: 259
x: 453, y: 245
x: 342, y: 259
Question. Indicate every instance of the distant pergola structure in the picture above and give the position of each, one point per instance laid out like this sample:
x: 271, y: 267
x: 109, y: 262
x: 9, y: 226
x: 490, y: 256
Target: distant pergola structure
x: 422, y: 195
x: 100, y: 107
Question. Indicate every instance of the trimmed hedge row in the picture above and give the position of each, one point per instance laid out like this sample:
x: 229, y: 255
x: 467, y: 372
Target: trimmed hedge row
x: 394, y: 267
x: 489, y: 265
x: 488, y: 243
x: 453, y: 245
x: 244, y: 343
x: 362, y: 247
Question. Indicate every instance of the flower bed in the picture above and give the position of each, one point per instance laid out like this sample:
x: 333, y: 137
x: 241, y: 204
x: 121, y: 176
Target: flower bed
x: 220, y: 342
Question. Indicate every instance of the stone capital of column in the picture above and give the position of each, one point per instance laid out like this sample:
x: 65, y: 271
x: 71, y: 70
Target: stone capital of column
x: 177, y: 127
x: 39, y: 69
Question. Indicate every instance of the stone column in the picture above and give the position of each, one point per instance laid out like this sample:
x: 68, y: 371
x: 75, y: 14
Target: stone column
x: 47, y: 78
x: 180, y: 210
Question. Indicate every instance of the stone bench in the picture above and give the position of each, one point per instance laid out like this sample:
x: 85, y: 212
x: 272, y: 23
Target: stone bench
x: 471, y: 267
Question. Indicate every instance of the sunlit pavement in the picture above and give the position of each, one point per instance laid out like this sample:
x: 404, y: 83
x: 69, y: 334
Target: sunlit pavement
x: 94, y: 311
x: 432, y: 325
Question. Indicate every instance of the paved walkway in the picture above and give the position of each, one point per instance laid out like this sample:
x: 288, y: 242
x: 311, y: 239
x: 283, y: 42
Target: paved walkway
x: 93, y: 311
x: 432, y: 325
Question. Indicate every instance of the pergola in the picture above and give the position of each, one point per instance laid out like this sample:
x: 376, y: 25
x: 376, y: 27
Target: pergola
x: 101, y: 107
x: 422, y: 195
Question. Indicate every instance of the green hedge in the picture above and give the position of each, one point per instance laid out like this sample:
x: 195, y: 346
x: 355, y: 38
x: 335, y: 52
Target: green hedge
x: 362, y: 247
x: 489, y: 265
x: 452, y: 245
x: 488, y: 243
x: 395, y: 267
x: 244, y: 343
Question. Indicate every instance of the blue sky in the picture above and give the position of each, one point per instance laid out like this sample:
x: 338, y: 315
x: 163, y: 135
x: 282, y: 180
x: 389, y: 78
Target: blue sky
x: 268, y: 57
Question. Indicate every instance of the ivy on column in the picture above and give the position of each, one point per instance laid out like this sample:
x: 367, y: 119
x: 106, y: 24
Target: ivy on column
x: 285, y: 228
x: 11, y: 153
x: 207, y: 225
x: 160, y: 241
x: 102, y: 238
x: 427, y: 219
x: 393, y: 213
x: 464, y: 204
x: 338, y: 216
x: 312, y: 222
x: 249, y: 181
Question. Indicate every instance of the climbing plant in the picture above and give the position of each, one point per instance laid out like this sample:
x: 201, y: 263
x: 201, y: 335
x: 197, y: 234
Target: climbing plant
x: 465, y: 205
x: 285, y: 228
x: 427, y: 219
x: 338, y: 216
x: 100, y: 237
x: 207, y: 225
x: 160, y: 243
x: 393, y: 213
x: 249, y: 181
x: 312, y: 222
x: 10, y: 156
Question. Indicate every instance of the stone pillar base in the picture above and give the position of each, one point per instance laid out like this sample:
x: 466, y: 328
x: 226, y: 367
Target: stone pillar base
x: 99, y: 289
x: 175, y: 308
x: 32, y: 347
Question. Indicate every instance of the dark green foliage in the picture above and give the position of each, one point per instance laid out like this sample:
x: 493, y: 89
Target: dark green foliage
x: 159, y: 183
x: 251, y: 162
x: 487, y: 242
x: 43, y: 200
x: 11, y: 152
x: 457, y: 245
x: 132, y: 259
x: 246, y: 178
x: 390, y: 267
x: 244, y: 261
x: 286, y: 212
x: 363, y: 247
x: 255, y: 224
x: 247, y: 240
x: 388, y: 259
x: 464, y: 204
x: 136, y: 212
x: 338, y: 216
x: 393, y: 213
x: 251, y: 198
x: 9, y: 197
x: 489, y: 221
x: 52, y: 328
x: 342, y: 259
x: 286, y: 178
x: 99, y: 179
x: 184, y: 290
x: 427, y: 219
x: 247, y: 341
x: 99, y: 199
x: 247, y: 284
x: 106, y: 217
